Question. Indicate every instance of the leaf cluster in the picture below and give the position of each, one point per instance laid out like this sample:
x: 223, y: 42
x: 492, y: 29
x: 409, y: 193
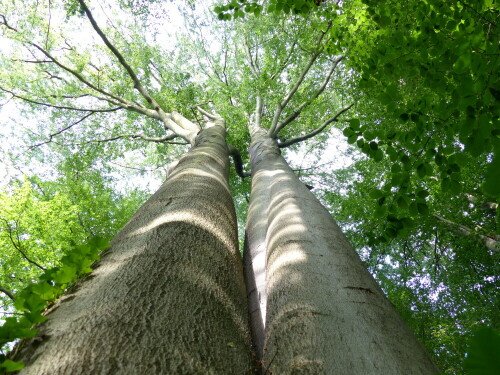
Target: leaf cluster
x: 34, y: 298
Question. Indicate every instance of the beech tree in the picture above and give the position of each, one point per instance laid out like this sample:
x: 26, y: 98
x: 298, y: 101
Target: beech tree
x: 169, y: 294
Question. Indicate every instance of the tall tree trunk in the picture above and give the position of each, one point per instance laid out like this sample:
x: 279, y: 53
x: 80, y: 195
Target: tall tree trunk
x: 325, y: 312
x: 168, y: 297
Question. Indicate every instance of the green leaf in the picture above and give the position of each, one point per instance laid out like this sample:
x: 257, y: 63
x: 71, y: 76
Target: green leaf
x: 421, y: 170
x: 348, y: 131
x: 380, y: 212
x: 376, y: 193
x: 352, y: 139
x: 483, y: 354
x: 413, y: 208
x: 65, y: 274
x: 355, y: 123
x: 379, y: 155
x: 491, y: 185
x: 403, y: 202
x: 11, y: 366
x: 422, y: 208
x: 422, y: 193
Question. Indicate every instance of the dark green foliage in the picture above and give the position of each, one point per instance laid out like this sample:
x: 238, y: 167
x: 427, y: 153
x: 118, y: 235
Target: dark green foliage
x: 483, y: 354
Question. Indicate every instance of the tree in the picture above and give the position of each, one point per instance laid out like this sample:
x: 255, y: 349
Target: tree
x: 294, y: 74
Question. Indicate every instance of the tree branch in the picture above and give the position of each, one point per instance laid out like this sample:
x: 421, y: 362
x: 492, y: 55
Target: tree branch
x: 298, y: 111
x: 253, y: 68
x: 294, y: 140
x: 62, y: 130
x: 14, y: 95
x: 285, y: 62
x: 4, y: 22
x: 137, y: 84
x: 491, y: 242
x: 138, y: 136
x: 7, y: 293
x: 300, y: 79
x: 18, y: 245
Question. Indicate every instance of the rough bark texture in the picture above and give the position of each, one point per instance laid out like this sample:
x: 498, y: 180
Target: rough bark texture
x: 168, y: 298
x: 325, y: 312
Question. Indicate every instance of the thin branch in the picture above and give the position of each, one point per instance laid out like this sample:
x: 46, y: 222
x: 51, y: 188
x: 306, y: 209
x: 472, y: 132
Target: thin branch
x: 293, y: 90
x: 137, y: 136
x: 79, y: 76
x: 63, y: 130
x: 14, y: 95
x: 318, y: 130
x: 209, y: 115
x: 137, y: 84
x: 34, y: 61
x: 285, y: 62
x: 253, y: 68
x: 135, y: 168
x: 4, y: 22
x: 491, y: 242
x: 48, y: 25
x: 7, y: 293
x: 17, y: 245
x: 306, y: 103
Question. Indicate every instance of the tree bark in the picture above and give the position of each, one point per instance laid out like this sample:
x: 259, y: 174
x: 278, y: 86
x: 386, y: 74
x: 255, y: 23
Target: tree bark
x: 168, y: 297
x: 325, y: 312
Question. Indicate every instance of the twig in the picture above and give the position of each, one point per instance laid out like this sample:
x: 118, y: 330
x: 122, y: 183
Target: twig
x: 294, y: 140
x: 7, y: 293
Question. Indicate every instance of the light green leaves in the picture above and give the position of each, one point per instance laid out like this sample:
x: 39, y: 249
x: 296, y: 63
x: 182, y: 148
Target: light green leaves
x: 33, y: 299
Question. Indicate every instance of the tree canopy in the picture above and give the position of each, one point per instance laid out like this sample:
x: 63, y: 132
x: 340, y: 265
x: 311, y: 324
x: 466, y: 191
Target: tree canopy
x: 98, y: 94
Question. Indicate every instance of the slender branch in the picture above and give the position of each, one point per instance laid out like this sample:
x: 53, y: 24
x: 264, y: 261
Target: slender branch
x: 318, y: 130
x: 135, y: 168
x: 4, y: 22
x: 17, y: 245
x: 14, y: 95
x: 80, y: 77
x: 285, y: 62
x: 7, y: 293
x: 62, y: 130
x: 253, y: 69
x: 137, y: 84
x: 209, y: 115
x: 491, y: 242
x: 34, y: 61
x: 320, y: 90
x: 138, y: 136
x: 300, y: 79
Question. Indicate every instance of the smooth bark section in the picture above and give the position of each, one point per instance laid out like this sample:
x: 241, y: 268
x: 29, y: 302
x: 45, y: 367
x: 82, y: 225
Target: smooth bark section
x: 255, y: 241
x: 325, y: 312
x: 169, y: 296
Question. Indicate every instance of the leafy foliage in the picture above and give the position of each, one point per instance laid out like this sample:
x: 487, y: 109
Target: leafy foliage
x: 33, y: 299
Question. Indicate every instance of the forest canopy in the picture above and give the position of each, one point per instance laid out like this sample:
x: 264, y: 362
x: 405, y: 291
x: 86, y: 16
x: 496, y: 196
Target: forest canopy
x: 388, y: 111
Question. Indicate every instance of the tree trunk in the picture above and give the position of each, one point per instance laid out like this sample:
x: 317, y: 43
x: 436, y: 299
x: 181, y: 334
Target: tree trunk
x: 325, y: 312
x: 168, y: 297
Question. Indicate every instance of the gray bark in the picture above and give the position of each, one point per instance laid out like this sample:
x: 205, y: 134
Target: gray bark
x: 325, y: 312
x: 168, y: 297
x: 255, y: 242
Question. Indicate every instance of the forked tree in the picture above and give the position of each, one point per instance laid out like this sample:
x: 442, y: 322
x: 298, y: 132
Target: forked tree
x: 169, y: 295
